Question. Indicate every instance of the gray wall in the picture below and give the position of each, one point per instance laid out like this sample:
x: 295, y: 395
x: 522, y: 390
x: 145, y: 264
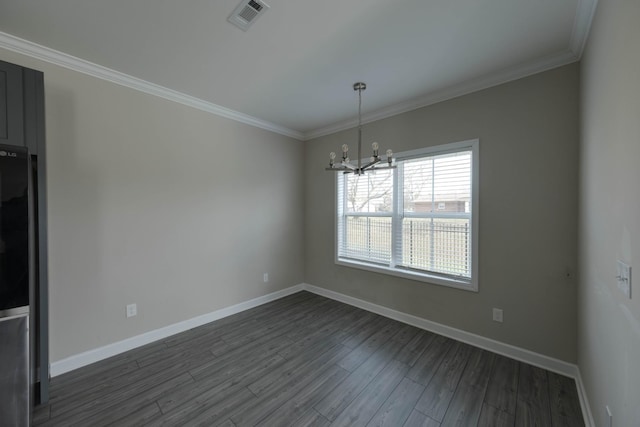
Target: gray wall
x: 609, y: 323
x: 152, y: 202
x: 528, y: 131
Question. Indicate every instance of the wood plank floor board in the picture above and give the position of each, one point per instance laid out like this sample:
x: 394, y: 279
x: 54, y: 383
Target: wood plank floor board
x: 249, y: 332
x: 369, y: 346
x: 311, y: 418
x: 328, y: 322
x: 397, y: 408
x: 81, y: 386
x: 247, y: 329
x: 478, y: 369
x: 368, y: 402
x: 293, y: 410
x: 533, y: 407
x: 105, y: 370
x: 218, y: 400
x: 436, y: 397
x: 466, y: 404
x: 123, y: 417
x: 323, y: 337
x: 230, y: 323
x: 277, y: 394
x: 267, y: 337
x: 292, y: 367
x: 565, y: 405
x: 168, y: 358
x: 268, y: 345
x: 494, y: 417
x: 406, y: 333
x: 207, y: 388
x: 212, y: 415
x: 336, y: 401
x: 41, y: 414
x: 418, y: 419
x: 415, y: 347
x: 107, y: 404
x: 328, y: 332
x: 283, y: 363
x: 362, y: 317
x: 429, y: 362
x: 355, y: 337
x: 115, y: 391
x: 503, y: 385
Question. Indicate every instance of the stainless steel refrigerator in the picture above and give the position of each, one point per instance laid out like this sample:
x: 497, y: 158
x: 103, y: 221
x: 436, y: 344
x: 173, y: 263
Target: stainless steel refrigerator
x: 17, y: 288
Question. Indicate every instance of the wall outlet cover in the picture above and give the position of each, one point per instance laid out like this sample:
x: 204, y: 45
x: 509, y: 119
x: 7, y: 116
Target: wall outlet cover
x: 132, y: 310
x: 623, y: 275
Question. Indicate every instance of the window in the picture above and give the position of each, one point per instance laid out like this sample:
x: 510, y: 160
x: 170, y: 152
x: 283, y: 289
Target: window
x: 418, y: 220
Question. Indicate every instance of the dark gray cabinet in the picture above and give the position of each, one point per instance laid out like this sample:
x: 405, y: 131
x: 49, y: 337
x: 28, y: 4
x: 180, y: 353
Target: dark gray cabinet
x: 11, y: 105
x: 22, y: 124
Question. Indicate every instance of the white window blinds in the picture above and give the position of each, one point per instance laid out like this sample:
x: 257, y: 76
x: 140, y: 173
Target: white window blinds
x: 416, y: 220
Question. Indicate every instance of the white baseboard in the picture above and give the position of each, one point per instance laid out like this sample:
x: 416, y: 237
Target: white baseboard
x: 584, y: 401
x: 517, y: 353
x: 88, y: 357
x: 523, y: 355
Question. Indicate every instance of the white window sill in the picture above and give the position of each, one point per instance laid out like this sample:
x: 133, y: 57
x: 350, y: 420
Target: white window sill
x: 407, y: 274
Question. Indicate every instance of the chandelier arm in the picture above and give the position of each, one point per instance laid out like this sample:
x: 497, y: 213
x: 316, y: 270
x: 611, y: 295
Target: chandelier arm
x: 342, y: 166
x: 384, y: 167
x: 370, y: 164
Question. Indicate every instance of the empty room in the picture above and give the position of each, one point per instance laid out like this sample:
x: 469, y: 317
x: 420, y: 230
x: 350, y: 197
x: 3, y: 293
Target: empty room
x: 338, y: 213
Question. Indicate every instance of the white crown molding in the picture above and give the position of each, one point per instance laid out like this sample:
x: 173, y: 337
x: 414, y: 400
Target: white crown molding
x: 582, y: 25
x: 474, y: 85
x: 579, y: 34
x: 585, y: 11
x: 43, y: 53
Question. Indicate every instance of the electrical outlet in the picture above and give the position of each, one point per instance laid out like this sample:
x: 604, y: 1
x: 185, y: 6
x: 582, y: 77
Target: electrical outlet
x: 497, y: 315
x: 265, y: 277
x: 132, y: 310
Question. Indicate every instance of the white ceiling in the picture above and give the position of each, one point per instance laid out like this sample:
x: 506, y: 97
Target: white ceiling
x: 293, y: 70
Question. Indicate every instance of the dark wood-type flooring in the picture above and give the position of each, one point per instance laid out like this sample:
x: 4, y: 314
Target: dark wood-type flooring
x: 305, y: 360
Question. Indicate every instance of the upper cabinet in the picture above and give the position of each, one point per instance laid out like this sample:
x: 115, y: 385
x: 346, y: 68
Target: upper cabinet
x: 11, y: 105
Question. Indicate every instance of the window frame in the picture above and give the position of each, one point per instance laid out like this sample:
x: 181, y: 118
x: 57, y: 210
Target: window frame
x: 397, y: 214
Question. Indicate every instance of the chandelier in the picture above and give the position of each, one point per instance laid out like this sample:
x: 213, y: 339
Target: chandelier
x: 345, y: 165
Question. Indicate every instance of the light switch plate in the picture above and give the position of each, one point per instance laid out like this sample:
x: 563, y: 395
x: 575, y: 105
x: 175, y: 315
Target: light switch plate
x: 623, y: 275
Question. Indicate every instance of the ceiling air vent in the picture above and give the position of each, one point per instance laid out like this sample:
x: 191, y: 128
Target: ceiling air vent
x: 247, y: 12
